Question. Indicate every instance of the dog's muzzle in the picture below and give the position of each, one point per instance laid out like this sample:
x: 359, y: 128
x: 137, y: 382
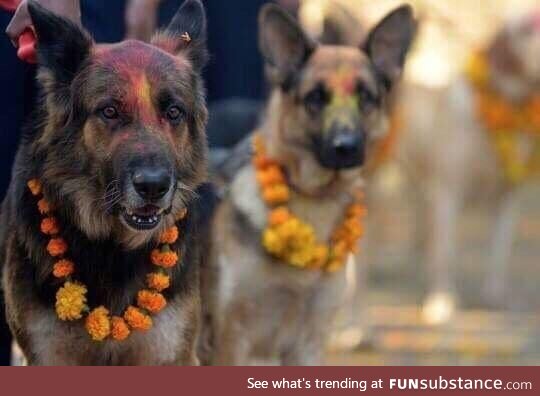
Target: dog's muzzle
x: 342, y: 149
x: 148, y: 194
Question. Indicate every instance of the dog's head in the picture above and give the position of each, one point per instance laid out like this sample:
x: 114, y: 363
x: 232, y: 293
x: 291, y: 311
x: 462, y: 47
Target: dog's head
x: 124, y: 138
x: 515, y: 54
x: 332, y: 97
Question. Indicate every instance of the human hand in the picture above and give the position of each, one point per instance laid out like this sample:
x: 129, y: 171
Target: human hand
x: 21, y: 21
x: 141, y: 19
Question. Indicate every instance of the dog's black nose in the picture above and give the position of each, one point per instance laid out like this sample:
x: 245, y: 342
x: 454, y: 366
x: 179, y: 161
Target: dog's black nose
x: 346, y: 145
x: 341, y: 149
x: 151, y: 183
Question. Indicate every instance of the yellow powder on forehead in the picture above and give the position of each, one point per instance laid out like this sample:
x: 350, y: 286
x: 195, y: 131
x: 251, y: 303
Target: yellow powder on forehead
x: 142, y: 89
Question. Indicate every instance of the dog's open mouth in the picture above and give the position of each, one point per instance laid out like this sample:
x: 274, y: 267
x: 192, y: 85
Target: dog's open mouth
x: 144, y: 218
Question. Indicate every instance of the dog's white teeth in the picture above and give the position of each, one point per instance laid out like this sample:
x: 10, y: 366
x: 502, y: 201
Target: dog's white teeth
x: 134, y: 218
x: 154, y: 218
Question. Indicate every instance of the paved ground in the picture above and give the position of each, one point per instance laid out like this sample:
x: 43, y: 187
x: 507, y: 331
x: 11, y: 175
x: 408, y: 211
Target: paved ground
x: 472, y: 338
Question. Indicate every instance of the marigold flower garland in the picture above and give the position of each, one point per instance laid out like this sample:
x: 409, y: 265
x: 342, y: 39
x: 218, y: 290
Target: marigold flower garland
x: 506, y: 121
x: 290, y: 239
x: 71, y: 302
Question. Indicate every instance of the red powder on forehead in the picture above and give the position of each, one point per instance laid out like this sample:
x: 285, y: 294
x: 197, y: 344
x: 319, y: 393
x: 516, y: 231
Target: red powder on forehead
x: 343, y: 81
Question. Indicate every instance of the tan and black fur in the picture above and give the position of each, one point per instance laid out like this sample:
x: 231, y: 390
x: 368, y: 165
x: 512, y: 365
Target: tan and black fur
x: 327, y: 107
x: 119, y: 144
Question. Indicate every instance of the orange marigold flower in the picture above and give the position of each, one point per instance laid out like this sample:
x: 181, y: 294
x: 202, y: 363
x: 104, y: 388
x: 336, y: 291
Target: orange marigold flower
x: 63, y: 268
x: 278, y: 216
x: 49, y: 226
x: 277, y: 194
x: 150, y: 300
x: 57, y: 247
x: 262, y: 162
x: 170, y: 235
x: 269, y: 176
x: 136, y: 319
x: 357, y: 210
x: 98, y: 324
x: 34, y: 186
x: 120, y: 330
x: 165, y: 259
x: 44, y: 206
x: 158, y: 281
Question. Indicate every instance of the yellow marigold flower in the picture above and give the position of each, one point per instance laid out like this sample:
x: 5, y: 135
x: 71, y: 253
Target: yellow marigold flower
x: 63, y: 268
x: 165, y: 259
x: 120, y: 330
x: 272, y: 242
x: 170, y: 235
x: 157, y: 281
x: 44, y: 206
x: 98, y: 324
x: 34, y: 186
x: 320, y: 257
x: 49, y: 226
x: 137, y: 320
x: 276, y: 194
x: 150, y: 300
x: 335, y: 265
x: 57, y: 247
x: 278, y: 216
x: 71, y: 301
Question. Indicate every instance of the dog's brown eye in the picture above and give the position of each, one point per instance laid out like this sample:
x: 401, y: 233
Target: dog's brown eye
x: 316, y: 100
x: 110, y: 112
x: 174, y: 113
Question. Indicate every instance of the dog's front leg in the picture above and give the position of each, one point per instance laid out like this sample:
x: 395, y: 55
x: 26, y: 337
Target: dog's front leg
x: 501, y: 248
x: 445, y: 203
x: 305, y: 352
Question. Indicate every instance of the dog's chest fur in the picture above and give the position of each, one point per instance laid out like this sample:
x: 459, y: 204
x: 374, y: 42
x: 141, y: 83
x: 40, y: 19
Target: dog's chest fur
x: 273, y: 302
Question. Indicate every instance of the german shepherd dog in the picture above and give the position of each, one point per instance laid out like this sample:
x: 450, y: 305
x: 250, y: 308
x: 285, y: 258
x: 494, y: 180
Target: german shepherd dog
x: 262, y: 308
x: 459, y: 164
x: 118, y: 143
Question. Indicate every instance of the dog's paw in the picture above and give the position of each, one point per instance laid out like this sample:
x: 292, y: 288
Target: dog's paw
x: 438, y: 308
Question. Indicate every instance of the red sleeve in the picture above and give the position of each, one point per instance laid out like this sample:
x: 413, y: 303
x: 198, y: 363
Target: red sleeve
x: 9, y: 5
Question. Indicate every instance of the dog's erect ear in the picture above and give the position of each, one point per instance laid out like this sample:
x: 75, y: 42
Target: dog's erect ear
x: 388, y: 43
x: 186, y: 34
x: 62, y: 46
x: 283, y: 44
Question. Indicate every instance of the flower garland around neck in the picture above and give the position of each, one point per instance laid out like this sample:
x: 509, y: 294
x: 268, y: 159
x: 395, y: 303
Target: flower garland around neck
x: 293, y: 241
x: 71, y: 302
x: 506, y: 123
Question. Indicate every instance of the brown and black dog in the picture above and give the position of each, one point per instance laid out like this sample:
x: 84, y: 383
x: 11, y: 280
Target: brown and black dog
x: 118, y: 142
x: 327, y: 108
